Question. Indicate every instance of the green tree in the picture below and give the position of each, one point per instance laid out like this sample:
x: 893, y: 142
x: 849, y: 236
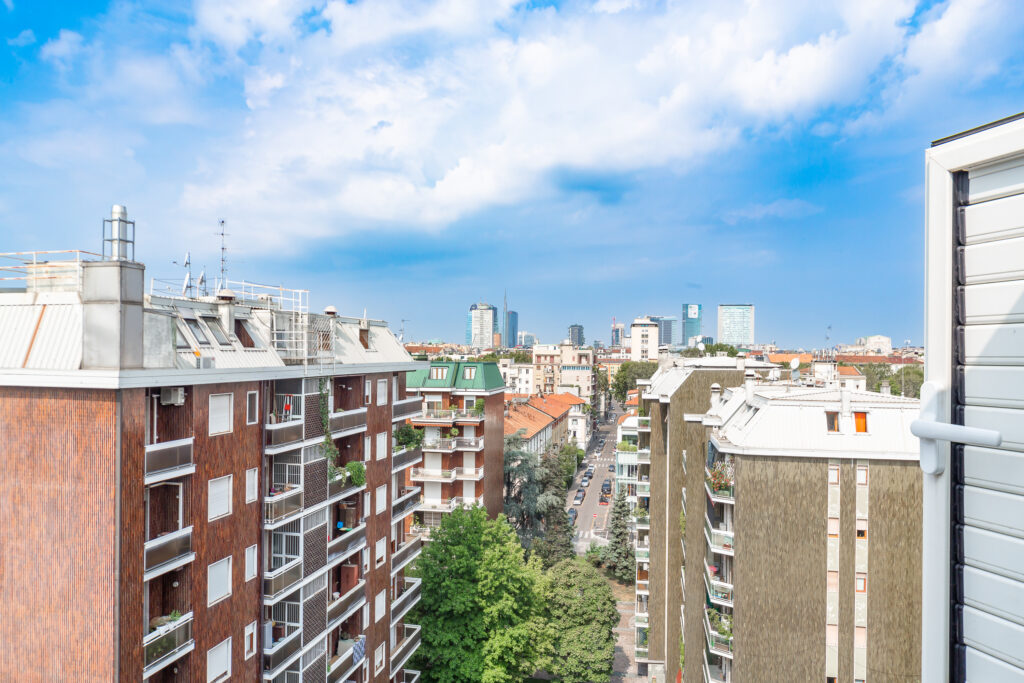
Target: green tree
x: 582, y: 615
x: 908, y: 380
x: 527, y: 497
x: 556, y: 545
x: 874, y: 374
x: 627, y: 375
x: 619, y: 555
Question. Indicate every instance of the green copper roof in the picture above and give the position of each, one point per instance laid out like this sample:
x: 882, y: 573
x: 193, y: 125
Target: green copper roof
x: 486, y: 377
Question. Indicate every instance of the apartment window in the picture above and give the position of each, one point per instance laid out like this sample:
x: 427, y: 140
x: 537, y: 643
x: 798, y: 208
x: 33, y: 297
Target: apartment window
x: 862, y: 475
x: 197, y: 331
x: 366, y: 564
x: 251, y: 481
x: 830, y: 679
x: 831, y: 634
x: 832, y: 583
x: 252, y: 404
x: 860, y: 636
x: 469, y: 372
x: 250, y: 640
x: 381, y: 551
x: 394, y: 389
x: 862, y: 582
x: 218, y: 662
x: 378, y: 659
x: 367, y: 392
x: 833, y: 475
x: 382, y: 392
x: 366, y: 448
x: 380, y: 605
x: 221, y: 408
x: 439, y: 372
x: 250, y: 563
x: 862, y: 528
x: 861, y: 420
x: 832, y: 421
x: 181, y: 341
x: 366, y: 613
x: 382, y: 498
x: 366, y: 504
x: 833, y: 527
x: 382, y: 445
x: 219, y: 500
x: 218, y: 580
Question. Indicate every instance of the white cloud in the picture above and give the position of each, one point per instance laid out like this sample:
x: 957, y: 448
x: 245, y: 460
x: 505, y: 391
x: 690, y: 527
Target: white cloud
x: 26, y: 37
x: 780, y: 208
x: 9, y: 4
x: 62, y: 50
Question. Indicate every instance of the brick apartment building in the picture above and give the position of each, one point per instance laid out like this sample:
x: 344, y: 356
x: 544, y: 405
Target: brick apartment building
x: 171, y: 515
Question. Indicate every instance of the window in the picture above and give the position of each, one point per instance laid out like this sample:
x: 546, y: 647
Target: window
x: 382, y: 445
x: 252, y: 406
x: 469, y: 372
x: 382, y: 392
x: 832, y: 421
x: 181, y: 341
x: 378, y: 659
x: 830, y: 679
x: 250, y: 640
x: 861, y: 420
x: 218, y: 580
x: 380, y: 605
x: 862, y: 582
x: 381, y: 551
x: 221, y: 408
x: 367, y: 392
x: 832, y: 583
x: 250, y: 563
x: 831, y: 634
x: 366, y: 565
x: 394, y: 389
x: 366, y: 448
x: 439, y: 372
x: 862, y: 528
x: 197, y: 331
x: 833, y: 475
x: 218, y: 503
x: 382, y: 498
x: 366, y: 505
x: 251, y: 481
x: 833, y: 527
x: 218, y: 662
x: 366, y: 614
x: 860, y: 636
x: 862, y: 475
x: 217, y: 331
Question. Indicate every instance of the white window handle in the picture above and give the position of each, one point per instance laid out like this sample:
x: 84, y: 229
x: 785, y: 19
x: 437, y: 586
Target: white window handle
x: 930, y: 430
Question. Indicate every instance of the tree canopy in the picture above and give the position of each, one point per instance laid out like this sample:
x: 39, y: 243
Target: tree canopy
x: 619, y: 555
x: 627, y: 375
x: 582, y: 615
x: 528, y: 491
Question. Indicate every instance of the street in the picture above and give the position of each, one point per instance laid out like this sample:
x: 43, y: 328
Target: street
x: 593, y: 518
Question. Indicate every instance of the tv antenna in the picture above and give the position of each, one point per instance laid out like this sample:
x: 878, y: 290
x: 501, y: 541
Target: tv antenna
x: 401, y: 333
x: 187, y: 286
x: 223, y: 256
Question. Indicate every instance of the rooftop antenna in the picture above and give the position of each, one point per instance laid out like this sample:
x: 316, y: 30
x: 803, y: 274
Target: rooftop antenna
x: 401, y: 333
x: 186, y: 287
x: 223, y: 256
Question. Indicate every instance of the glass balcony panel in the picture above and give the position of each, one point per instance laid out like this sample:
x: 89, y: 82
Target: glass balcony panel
x: 167, y: 643
x: 284, y: 433
x: 168, y: 550
x: 163, y: 458
x: 282, y: 580
x: 282, y: 506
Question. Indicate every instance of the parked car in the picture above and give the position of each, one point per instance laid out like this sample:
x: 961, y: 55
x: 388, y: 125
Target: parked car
x: 573, y: 513
x: 605, y: 499
x: 606, y: 486
x: 579, y: 498
x: 611, y: 468
x: 585, y: 482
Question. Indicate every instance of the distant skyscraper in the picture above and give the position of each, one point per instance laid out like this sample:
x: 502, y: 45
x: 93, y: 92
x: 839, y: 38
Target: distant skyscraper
x: 669, y: 330
x: 576, y: 334
x: 526, y: 339
x: 511, y: 329
x: 736, y: 324
x: 482, y: 325
x: 692, y: 323
x: 618, y: 332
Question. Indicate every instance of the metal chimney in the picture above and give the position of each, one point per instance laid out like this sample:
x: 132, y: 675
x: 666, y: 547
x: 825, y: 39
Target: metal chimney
x: 119, y: 235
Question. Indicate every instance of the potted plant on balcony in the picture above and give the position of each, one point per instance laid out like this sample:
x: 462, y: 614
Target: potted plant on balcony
x: 328, y: 448
x: 478, y: 407
x: 407, y: 436
x: 356, y: 472
x: 453, y: 432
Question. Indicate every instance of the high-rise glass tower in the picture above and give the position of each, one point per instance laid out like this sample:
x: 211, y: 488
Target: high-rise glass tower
x: 692, y: 323
x: 736, y: 324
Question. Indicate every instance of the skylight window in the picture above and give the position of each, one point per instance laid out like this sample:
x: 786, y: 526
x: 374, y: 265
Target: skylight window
x: 217, y: 331
x: 197, y: 331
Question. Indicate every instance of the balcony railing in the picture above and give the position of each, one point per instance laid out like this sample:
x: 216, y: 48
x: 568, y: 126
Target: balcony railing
x: 643, y: 488
x: 722, y: 494
x: 643, y: 456
x: 169, y: 459
x: 276, y: 653
x: 406, y: 408
x: 403, y: 649
x: 282, y: 506
x: 718, y: 643
x: 469, y: 473
x: 643, y: 552
x: 345, y: 605
x: 343, y: 666
x: 411, y: 676
x: 167, y: 644
x: 168, y: 552
x: 349, y: 542
x: 406, y: 503
x: 470, y: 415
x: 469, y: 443
x: 643, y: 618
x: 439, y: 445
x: 406, y: 553
x: 720, y: 541
x: 429, y: 474
x: 402, y: 459
x: 347, y: 419
x: 410, y: 595
x: 718, y: 591
x: 276, y: 584
x: 643, y: 424
x: 284, y: 433
x: 437, y: 415
x: 341, y: 487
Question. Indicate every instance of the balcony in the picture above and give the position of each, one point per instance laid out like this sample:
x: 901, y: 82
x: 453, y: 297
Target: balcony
x: 410, y: 676
x: 343, y: 667
x: 346, y: 605
x: 167, y: 552
x: 407, y: 503
x: 722, y: 542
x: 404, y: 648
x: 642, y: 618
x: 347, y: 420
x: 469, y: 443
x: 340, y: 488
x: 714, y: 672
x: 278, y: 583
x: 643, y: 551
x: 445, y: 445
x: 409, y: 596
x: 643, y: 456
x: 428, y: 474
x: 282, y: 507
x: 720, y: 488
x: 400, y: 459
x: 406, y: 408
x: 643, y: 489
x: 643, y: 424
x: 284, y: 433
x: 719, y: 635
x: 345, y: 545
x: 436, y: 416
x: 406, y: 553
x: 719, y: 592
x: 470, y: 415
x: 441, y: 505
x: 279, y: 652
x: 167, y: 644
x: 169, y: 460
x: 641, y: 520
x: 469, y: 473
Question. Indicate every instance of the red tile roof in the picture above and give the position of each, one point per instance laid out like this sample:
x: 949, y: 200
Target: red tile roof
x: 531, y: 421
x: 849, y: 371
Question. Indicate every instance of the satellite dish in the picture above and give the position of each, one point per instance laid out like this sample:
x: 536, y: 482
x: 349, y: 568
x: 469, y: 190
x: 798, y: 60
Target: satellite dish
x: 794, y: 364
x: 701, y: 347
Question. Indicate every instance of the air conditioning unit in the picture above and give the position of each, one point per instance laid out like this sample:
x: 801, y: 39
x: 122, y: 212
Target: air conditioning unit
x: 172, y: 396
x: 205, y: 363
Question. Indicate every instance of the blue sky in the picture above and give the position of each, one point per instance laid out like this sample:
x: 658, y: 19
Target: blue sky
x: 594, y: 158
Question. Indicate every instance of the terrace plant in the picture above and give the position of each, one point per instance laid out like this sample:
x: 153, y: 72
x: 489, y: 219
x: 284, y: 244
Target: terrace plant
x: 328, y: 448
x: 478, y: 407
x: 356, y: 472
x: 721, y: 476
x: 626, y: 446
x: 407, y: 436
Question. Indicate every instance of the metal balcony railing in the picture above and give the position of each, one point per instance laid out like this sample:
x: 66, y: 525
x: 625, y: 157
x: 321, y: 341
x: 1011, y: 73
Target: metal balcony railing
x: 343, y: 666
x: 347, y: 543
x: 717, y: 642
x: 439, y: 445
x: 719, y: 541
x: 406, y: 408
x: 718, y: 591
x: 406, y: 553
x: 429, y: 474
x: 410, y: 595
x: 405, y: 647
x: 342, y: 488
x: 168, y: 552
x: 166, y: 644
x: 164, y: 460
x: 281, y: 506
x: 469, y: 443
x: 284, y: 433
x: 346, y: 604
x: 469, y: 473
x: 276, y: 653
x: 725, y: 493
x: 402, y: 459
x: 347, y: 419
x: 276, y: 584
x: 406, y: 503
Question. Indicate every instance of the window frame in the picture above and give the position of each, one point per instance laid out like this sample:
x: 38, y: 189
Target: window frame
x: 255, y: 556
x: 381, y: 447
x: 367, y: 444
x: 380, y: 552
x: 379, y: 654
x: 380, y: 605
x: 249, y: 635
x: 832, y: 534
x: 230, y: 414
x: 231, y: 497
x: 833, y: 470
x: 252, y: 477
x: 859, y: 415
x: 380, y: 503
x: 832, y: 419
x: 367, y: 393
x: 469, y: 372
x: 196, y: 329
x: 382, y: 392
x: 212, y: 323
x: 230, y: 569
x: 862, y: 529
x: 252, y: 417
x: 862, y: 470
x: 226, y: 674
x: 860, y: 582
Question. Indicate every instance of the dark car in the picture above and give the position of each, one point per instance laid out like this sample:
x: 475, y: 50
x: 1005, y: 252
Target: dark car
x: 606, y: 486
x: 606, y: 498
x: 572, y: 516
x: 579, y: 498
x: 611, y: 468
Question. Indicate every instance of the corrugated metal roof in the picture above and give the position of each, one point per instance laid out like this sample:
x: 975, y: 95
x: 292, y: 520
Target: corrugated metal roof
x: 58, y: 343
x: 16, y: 326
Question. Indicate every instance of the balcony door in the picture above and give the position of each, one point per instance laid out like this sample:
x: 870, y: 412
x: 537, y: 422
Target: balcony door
x: 164, y: 509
